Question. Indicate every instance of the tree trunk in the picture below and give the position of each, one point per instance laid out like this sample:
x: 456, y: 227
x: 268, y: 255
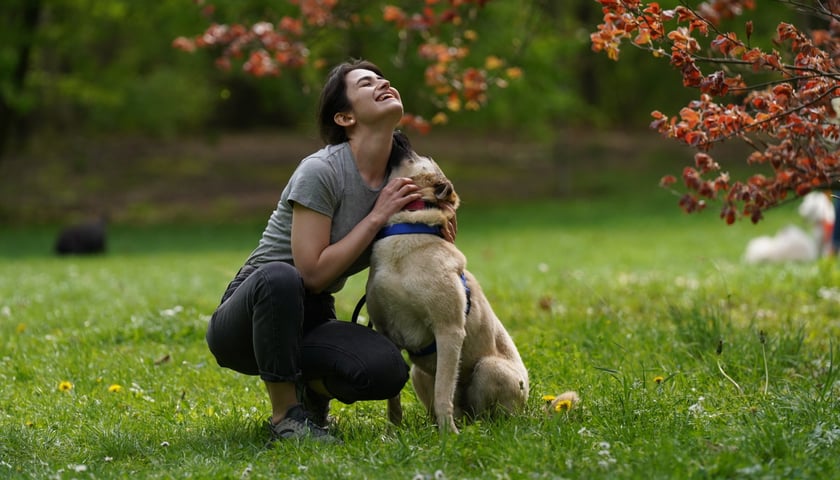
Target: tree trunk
x: 22, y: 23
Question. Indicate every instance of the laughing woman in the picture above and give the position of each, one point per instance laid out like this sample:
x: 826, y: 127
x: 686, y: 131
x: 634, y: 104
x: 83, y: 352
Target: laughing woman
x: 277, y: 316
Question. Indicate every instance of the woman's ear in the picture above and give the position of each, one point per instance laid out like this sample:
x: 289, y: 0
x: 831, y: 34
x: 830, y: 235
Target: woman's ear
x: 344, y: 119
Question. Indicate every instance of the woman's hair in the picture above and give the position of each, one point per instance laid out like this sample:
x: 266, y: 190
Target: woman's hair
x: 334, y: 100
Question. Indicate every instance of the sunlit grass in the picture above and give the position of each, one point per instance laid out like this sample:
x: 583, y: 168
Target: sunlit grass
x: 627, y: 303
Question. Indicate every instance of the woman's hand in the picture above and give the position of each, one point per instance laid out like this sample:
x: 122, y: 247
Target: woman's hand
x: 450, y: 230
x: 398, y: 193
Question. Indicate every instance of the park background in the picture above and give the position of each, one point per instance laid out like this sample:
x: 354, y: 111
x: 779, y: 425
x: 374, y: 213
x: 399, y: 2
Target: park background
x: 690, y: 364
x: 108, y: 117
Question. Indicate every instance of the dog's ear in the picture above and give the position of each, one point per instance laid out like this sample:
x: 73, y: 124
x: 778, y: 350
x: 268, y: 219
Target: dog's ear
x: 443, y: 190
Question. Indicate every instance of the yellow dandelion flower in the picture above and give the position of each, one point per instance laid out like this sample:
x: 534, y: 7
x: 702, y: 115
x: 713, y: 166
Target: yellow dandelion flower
x: 21, y: 328
x: 563, y: 405
x: 65, y: 386
x: 548, y: 398
x: 115, y: 388
x: 658, y: 379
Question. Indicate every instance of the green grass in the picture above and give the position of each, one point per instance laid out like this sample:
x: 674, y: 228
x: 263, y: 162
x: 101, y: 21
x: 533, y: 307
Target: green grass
x: 602, y: 296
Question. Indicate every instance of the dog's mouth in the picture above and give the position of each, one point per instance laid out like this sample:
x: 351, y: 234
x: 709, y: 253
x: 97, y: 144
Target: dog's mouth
x: 419, y: 205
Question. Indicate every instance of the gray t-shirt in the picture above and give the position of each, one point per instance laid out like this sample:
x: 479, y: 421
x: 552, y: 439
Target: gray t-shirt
x: 327, y: 182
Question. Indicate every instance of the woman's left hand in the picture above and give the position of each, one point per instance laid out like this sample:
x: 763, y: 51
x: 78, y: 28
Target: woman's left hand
x: 450, y: 229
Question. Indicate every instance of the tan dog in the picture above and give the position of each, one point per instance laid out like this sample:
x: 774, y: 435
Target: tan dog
x: 421, y: 297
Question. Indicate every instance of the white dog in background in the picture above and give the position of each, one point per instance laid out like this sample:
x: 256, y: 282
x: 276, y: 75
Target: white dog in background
x: 793, y: 244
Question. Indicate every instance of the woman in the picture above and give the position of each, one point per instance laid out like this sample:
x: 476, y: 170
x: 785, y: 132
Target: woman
x: 277, y: 316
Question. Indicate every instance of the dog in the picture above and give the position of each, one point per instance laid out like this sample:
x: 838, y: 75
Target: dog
x: 793, y: 244
x: 421, y: 297
x: 87, y: 238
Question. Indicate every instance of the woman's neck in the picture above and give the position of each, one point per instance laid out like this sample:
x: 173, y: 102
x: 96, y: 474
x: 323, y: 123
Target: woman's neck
x: 371, y: 150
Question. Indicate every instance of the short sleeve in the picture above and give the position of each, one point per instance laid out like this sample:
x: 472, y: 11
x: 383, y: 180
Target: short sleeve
x: 314, y: 185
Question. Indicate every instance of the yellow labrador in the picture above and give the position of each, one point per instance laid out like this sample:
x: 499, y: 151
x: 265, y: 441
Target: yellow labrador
x: 421, y: 297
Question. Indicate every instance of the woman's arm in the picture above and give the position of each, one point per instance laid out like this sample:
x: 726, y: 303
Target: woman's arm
x: 320, y: 262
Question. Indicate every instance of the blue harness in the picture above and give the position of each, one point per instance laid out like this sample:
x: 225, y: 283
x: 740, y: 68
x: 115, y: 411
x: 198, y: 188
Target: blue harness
x: 407, y: 229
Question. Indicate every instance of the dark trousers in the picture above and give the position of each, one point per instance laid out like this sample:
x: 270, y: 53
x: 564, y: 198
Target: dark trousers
x: 269, y: 325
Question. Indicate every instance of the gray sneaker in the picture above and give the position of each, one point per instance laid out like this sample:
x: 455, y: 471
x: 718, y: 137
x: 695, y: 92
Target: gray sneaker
x: 298, y: 425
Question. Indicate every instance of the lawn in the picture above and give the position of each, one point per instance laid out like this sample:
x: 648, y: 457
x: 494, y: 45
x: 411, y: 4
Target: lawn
x: 689, y: 363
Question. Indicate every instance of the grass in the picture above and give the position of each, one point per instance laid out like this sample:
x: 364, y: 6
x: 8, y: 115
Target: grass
x: 106, y: 375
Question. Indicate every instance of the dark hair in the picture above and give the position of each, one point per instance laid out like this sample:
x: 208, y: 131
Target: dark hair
x: 334, y: 100
x: 400, y: 148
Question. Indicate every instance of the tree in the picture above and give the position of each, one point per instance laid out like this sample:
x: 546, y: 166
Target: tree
x: 783, y: 100
x: 434, y: 32
x: 15, y: 56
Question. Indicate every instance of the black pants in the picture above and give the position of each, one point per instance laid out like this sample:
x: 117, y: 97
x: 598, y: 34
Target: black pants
x: 268, y: 325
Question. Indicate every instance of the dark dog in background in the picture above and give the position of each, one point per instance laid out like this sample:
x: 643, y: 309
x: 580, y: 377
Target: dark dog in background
x: 84, y: 238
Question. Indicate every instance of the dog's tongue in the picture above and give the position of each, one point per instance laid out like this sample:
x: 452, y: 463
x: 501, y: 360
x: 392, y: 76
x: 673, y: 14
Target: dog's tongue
x: 415, y: 205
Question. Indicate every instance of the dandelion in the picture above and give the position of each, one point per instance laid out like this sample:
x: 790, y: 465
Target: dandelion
x: 658, y: 379
x: 560, y: 403
x: 20, y: 328
x: 65, y: 386
x: 563, y: 406
x: 115, y: 388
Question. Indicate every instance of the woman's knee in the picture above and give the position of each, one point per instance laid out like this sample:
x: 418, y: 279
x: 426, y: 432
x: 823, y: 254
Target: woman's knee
x: 355, y: 362
x: 373, y: 381
x: 279, y: 276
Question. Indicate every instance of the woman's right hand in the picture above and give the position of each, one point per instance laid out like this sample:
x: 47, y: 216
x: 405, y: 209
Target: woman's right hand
x: 398, y: 193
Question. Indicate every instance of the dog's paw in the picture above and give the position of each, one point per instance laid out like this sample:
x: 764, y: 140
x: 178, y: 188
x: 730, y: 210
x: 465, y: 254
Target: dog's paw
x: 561, y: 403
x: 446, y: 424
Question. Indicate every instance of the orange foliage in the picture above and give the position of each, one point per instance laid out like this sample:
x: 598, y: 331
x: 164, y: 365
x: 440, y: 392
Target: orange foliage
x: 453, y: 77
x: 791, y: 121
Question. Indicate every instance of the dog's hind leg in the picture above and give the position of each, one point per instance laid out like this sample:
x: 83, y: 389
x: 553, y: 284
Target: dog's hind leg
x: 497, y: 386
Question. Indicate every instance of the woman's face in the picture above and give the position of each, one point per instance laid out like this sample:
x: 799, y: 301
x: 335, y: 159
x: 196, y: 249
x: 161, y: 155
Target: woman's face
x: 372, y: 98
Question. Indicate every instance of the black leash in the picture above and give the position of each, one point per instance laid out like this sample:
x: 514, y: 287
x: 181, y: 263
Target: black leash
x: 358, y: 309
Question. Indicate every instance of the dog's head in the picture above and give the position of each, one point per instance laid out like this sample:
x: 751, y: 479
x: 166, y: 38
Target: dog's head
x: 816, y: 207
x: 434, y: 186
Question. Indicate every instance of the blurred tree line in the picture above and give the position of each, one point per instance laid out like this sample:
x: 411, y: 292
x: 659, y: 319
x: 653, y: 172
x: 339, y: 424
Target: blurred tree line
x: 108, y: 66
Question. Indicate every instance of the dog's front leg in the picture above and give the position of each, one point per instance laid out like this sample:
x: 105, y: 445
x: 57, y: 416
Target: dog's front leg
x: 449, y: 344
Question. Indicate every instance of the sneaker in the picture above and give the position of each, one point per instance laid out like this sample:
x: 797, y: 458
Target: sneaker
x: 318, y: 407
x: 298, y: 425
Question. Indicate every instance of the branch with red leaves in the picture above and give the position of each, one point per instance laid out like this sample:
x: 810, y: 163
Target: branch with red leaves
x: 791, y: 121
x: 455, y: 79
